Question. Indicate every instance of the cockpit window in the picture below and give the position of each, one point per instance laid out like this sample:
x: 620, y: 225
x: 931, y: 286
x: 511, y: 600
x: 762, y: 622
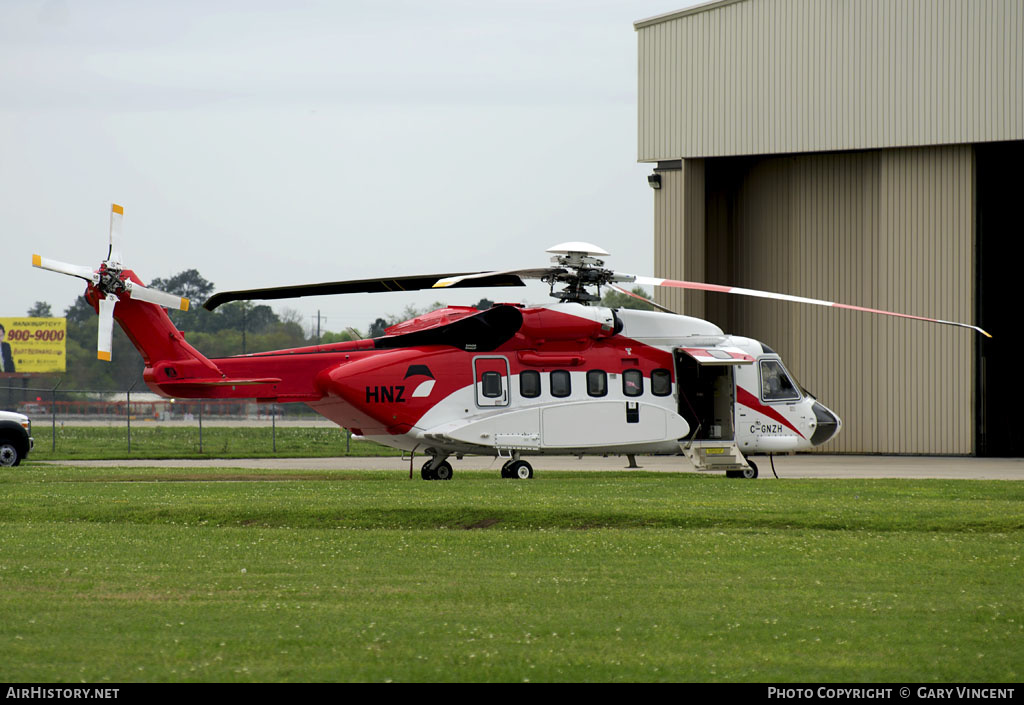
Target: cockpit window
x: 776, y: 385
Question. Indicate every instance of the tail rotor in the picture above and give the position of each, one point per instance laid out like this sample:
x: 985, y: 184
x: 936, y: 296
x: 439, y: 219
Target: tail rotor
x: 111, y: 280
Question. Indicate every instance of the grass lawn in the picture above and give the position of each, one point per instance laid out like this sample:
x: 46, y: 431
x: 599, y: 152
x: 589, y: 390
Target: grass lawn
x: 149, y: 442
x: 169, y: 575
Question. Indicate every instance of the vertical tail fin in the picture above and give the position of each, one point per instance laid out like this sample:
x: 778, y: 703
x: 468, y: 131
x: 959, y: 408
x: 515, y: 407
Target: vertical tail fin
x: 154, y: 335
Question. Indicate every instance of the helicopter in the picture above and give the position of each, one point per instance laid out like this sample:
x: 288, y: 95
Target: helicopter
x: 512, y: 381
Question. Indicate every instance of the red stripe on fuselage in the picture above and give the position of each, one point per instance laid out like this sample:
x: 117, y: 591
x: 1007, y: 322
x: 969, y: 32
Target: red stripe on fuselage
x: 750, y: 401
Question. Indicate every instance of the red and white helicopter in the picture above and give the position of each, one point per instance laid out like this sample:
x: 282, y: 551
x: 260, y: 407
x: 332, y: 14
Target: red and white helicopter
x: 569, y: 378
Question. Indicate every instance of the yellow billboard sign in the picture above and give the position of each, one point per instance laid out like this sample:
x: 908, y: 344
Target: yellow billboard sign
x: 33, y: 345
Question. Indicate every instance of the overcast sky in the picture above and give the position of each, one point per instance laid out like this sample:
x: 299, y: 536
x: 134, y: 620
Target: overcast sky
x: 271, y: 143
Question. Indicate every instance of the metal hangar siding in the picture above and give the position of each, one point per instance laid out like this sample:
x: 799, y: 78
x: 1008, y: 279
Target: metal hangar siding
x: 835, y: 149
x: 777, y: 76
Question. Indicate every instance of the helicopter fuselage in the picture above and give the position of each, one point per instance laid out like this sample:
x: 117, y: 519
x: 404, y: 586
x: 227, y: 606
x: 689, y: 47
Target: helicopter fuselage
x: 571, y: 377
x: 516, y: 381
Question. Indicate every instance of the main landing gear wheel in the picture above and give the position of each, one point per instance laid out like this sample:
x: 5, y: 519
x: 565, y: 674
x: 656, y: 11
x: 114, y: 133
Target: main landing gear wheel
x: 517, y: 470
x: 441, y: 472
x: 746, y: 474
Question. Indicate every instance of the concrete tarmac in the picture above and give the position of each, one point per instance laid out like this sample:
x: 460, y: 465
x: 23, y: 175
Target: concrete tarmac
x: 787, y: 466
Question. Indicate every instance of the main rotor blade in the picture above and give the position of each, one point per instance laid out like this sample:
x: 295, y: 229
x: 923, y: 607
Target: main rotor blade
x: 105, y: 331
x: 360, y: 286
x: 717, y: 288
x: 627, y: 292
x: 155, y: 296
x: 463, y: 280
x: 75, y: 270
x: 116, y: 218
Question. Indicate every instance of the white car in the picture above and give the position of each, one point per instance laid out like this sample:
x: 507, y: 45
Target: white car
x: 15, y: 438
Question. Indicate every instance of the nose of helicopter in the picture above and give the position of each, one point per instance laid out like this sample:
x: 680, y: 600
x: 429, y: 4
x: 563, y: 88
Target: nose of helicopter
x: 828, y: 424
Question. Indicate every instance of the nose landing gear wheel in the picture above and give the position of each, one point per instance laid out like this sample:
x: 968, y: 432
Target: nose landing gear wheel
x: 746, y: 474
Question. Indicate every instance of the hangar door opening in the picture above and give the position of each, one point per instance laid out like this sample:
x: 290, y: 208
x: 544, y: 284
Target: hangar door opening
x: 999, y: 252
x: 883, y: 228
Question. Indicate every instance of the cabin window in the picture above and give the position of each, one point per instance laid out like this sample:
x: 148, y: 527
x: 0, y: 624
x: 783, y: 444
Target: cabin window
x: 529, y: 383
x: 491, y: 385
x: 597, y: 383
x: 775, y: 383
x: 661, y: 383
x: 560, y: 385
x: 632, y: 383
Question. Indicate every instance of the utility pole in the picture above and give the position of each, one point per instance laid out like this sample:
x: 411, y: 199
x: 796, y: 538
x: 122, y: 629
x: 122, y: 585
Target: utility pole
x: 318, y: 318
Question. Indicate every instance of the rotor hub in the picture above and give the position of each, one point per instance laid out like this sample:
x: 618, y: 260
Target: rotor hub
x: 579, y: 268
x: 111, y: 280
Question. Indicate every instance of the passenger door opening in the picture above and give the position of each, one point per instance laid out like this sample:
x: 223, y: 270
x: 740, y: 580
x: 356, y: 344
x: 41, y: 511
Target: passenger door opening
x: 706, y: 386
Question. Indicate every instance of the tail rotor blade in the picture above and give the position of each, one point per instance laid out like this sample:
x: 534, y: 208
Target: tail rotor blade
x: 116, y: 218
x: 105, y: 332
x: 154, y: 296
x: 75, y: 270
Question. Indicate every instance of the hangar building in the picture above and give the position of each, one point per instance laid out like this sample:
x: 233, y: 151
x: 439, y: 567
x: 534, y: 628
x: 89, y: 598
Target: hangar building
x: 861, y: 151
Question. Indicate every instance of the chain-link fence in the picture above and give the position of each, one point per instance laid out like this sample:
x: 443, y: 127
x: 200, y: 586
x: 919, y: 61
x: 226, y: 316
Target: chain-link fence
x: 81, y: 422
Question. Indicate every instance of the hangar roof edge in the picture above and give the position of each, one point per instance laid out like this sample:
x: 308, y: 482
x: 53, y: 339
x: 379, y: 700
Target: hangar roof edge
x: 676, y: 14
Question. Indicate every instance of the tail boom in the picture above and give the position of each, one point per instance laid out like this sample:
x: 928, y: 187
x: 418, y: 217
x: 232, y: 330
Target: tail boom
x: 175, y: 369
